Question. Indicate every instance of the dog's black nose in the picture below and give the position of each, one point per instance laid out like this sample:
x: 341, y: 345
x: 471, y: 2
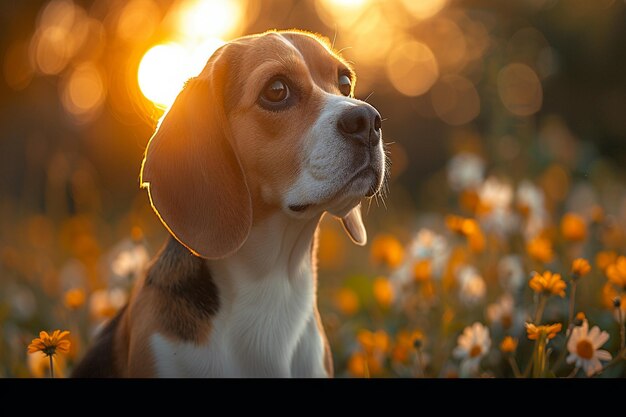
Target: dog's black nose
x: 361, y: 123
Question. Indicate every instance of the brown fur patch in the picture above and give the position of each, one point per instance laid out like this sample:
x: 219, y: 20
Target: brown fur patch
x: 181, y: 293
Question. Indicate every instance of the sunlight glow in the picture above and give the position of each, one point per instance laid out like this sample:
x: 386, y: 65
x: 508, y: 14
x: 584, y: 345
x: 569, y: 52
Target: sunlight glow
x: 200, y: 19
x: 165, y: 68
x: 197, y: 30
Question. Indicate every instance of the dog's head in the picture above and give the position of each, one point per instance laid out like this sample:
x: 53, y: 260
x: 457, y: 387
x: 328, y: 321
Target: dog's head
x: 270, y: 124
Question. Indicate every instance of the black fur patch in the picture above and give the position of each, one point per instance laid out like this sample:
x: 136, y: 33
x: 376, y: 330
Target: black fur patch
x: 99, y: 360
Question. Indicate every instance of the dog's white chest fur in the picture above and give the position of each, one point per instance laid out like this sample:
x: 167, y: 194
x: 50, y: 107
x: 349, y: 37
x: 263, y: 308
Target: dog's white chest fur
x: 266, y: 324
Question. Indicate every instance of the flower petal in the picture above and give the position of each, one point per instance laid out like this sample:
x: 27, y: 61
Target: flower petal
x: 603, y: 355
x: 459, y: 352
x: 571, y: 358
x: 600, y: 340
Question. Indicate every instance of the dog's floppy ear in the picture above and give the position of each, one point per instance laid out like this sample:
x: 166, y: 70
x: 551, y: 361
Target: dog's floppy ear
x: 193, y: 175
x: 353, y: 224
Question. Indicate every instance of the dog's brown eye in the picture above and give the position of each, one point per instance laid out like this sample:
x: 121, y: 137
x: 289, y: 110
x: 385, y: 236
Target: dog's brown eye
x: 345, y: 85
x: 276, y: 91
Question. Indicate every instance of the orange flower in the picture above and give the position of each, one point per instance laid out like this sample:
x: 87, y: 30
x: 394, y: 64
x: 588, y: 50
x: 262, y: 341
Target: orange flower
x: 476, y: 241
x: 50, y: 345
x: 363, y: 365
x: 461, y: 225
x: 580, y: 268
x: 405, y: 345
x: 347, y: 301
x: 549, y: 330
x: 383, y: 291
x: 468, y: 228
x: 573, y: 227
x: 609, y: 294
x: 605, y: 258
x: 74, y: 298
x: 508, y: 345
x: 373, y: 341
x: 422, y: 270
x: 548, y: 283
x: 540, y: 249
x: 388, y: 250
x: 616, y: 272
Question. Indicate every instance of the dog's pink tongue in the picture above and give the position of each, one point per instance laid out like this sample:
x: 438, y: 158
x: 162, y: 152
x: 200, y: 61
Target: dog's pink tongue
x: 353, y: 223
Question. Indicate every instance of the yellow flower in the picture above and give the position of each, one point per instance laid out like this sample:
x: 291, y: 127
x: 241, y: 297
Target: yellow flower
x: 616, y: 272
x: 581, y: 316
x: 405, y: 344
x: 363, y: 365
x: 383, y: 291
x: 548, y: 283
x: 347, y: 301
x: 549, y: 330
x: 388, y: 250
x: 580, y: 267
x: 50, y: 345
x: 422, y: 270
x: 540, y: 249
x: 74, y: 298
x: 604, y: 259
x: 476, y: 241
x: 461, y: 225
x: 573, y: 227
x: 508, y: 345
x: 609, y: 294
x: 373, y: 341
x: 468, y: 228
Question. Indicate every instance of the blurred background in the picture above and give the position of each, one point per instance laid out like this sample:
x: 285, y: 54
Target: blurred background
x: 479, y: 98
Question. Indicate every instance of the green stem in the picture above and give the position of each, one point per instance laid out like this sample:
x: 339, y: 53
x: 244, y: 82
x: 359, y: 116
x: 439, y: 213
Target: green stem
x: 572, y: 301
x: 420, y: 364
x: 622, y: 328
x: 51, y: 367
x: 539, y: 357
x: 561, y: 357
x: 540, y: 307
x: 514, y: 367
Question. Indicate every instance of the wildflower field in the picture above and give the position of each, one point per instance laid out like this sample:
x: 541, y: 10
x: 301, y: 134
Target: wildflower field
x: 498, y: 248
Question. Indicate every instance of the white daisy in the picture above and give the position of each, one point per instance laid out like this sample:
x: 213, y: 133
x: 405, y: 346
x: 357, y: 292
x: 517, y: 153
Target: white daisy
x: 502, y: 311
x: 532, y: 198
x: 430, y: 245
x: 584, y: 348
x: 472, y: 345
x: 465, y: 171
x: 497, y: 196
x: 472, y: 287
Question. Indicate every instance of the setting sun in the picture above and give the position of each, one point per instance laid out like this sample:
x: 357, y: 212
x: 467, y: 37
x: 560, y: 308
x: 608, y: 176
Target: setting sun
x: 165, y: 68
x: 199, y: 26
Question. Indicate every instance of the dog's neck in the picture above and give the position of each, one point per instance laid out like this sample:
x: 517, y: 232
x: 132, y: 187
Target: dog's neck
x: 278, y: 245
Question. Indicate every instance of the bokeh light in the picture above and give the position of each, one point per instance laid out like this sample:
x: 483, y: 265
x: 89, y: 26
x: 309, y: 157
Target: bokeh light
x: 455, y: 100
x: 83, y: 92
x: 520, y: 89
x: 412, y: 68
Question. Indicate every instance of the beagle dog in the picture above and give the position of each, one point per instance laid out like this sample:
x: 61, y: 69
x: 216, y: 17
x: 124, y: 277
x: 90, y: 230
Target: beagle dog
x: 255, y: 149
